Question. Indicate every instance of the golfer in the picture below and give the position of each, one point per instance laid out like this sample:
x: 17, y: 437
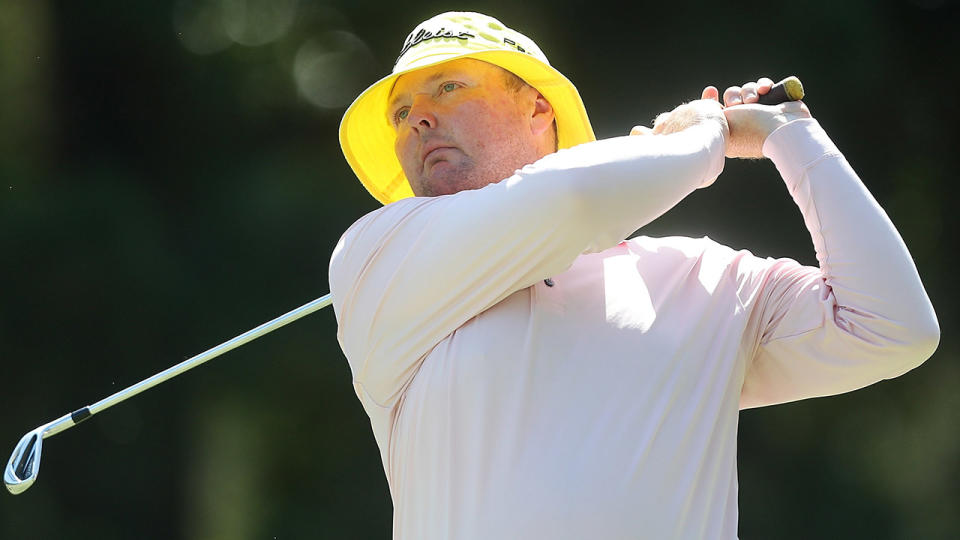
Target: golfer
x: 531, y: 374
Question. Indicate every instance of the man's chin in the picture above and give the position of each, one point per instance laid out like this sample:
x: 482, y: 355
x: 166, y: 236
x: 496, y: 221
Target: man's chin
x: 444, y: 179
x: 435, y: 189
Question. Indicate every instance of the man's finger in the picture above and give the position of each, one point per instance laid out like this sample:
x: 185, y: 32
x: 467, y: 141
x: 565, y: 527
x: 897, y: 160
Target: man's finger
x: 731, y: 96
x: 641, y: 130
x: 710, y: 92
x: 748, y: 93
x: 764, y: 85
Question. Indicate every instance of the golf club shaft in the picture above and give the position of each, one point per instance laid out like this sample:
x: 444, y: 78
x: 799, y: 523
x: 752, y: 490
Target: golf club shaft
x: 74, y: 418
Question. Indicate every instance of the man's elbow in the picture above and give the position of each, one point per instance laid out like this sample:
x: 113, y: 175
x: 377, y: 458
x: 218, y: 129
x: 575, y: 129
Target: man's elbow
x: 916, y: 345
x: 926, y: 337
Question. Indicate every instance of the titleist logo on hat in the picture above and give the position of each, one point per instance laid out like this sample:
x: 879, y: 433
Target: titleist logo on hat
x: 420, y: 35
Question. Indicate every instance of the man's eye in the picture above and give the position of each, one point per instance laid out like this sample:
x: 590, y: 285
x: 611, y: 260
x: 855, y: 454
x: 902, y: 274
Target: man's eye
x: 449, y: 87
x: 401, y: 115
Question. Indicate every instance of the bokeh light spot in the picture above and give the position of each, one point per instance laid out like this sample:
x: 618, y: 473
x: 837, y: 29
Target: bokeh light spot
x: 257, y: 22
x: 332, y: 69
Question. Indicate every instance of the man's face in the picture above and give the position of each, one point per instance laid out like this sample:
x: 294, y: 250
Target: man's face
x: 459, y: 127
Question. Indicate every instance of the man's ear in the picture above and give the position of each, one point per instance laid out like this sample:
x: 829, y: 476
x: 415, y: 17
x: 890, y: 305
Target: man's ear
x: 542, y: 116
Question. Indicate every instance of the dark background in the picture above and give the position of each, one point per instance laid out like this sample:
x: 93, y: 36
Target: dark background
x: 171, y: 177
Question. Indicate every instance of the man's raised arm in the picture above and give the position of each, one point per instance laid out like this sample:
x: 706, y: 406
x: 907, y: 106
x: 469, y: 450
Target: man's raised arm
x: 406, y: 276
x: 863, y: 315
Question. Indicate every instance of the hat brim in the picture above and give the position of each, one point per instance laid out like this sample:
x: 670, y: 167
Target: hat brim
x: 367, y: 138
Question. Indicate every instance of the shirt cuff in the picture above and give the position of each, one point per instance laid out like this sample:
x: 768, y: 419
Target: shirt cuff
x: 796, y: 145
x: 715, y: 145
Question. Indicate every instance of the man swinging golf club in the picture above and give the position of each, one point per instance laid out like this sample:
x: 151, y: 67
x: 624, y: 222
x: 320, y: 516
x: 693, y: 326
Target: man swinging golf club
x: 530, y: 374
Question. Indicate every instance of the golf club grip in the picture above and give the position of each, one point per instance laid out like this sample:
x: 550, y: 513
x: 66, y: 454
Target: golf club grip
x: 789, y: 89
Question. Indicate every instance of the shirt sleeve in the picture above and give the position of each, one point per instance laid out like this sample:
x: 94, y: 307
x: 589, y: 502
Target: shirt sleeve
x: 409, y: 274
x: 863, y: 315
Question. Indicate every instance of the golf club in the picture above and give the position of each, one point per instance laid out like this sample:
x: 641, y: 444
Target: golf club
x: 24, y: 464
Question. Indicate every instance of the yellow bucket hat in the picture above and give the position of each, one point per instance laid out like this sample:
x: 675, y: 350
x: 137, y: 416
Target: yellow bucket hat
x: 367, y: 138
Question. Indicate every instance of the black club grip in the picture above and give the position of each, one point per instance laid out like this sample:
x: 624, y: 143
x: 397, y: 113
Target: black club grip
x: 789, y: 89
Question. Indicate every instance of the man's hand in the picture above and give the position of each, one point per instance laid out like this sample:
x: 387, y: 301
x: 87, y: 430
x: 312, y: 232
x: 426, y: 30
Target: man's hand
x: 702, y: 112
x: 745, y: 123
x: 751, y: 123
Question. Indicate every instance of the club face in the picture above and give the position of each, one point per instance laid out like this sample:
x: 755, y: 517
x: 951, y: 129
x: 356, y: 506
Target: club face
x: 24, y: 464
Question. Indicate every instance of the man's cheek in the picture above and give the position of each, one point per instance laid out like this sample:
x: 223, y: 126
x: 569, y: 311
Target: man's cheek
x: 406, y: 152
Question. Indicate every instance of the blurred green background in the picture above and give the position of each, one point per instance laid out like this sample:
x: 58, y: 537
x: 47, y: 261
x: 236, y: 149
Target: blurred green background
x: 170, y: 176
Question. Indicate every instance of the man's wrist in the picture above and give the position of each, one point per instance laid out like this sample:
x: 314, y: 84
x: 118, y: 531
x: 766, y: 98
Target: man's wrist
x: 796, y: 146
x: 798, y: 141
x: 713, y: 136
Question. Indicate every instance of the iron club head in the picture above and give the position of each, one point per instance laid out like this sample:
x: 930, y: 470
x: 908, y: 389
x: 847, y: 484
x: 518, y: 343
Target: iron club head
x: 24, y: 464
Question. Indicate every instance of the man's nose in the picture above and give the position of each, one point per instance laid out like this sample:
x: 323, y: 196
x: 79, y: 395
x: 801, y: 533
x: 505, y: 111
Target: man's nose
x: 422, y: 114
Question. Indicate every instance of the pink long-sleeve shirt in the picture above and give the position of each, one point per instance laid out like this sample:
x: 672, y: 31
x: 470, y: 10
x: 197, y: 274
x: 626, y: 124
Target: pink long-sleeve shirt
x: 606, y: 405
